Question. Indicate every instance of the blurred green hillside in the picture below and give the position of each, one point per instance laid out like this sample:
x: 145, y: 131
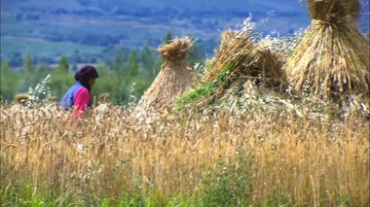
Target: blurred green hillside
x: 50, y: 29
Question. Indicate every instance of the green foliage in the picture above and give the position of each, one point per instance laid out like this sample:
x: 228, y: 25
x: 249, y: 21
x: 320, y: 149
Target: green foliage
x: 110, y: 82
x: 119, y: 62
x: 204, y: 90
x: 227, y: 185
x: 128, y: 76
x: 196, y: 94
x: 133, y: 65
x: 195, y: 54
x: 168, y: 38
x: 60, y: 79
x: 64, y: 65
x: 39, y: 93
x: 9, y: 81
x: 231, y: 185
x: 27, y: 65
x: 125, y: 77
x: 150, y: 61
x: 30, y: 77
x: 43, y: 70
x: 60, y: 82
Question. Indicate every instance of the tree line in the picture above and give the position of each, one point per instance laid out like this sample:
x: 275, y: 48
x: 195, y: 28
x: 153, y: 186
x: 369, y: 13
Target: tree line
x: 125, y: 76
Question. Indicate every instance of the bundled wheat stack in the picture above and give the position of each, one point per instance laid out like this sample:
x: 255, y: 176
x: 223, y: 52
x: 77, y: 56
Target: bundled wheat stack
x: 173, y: 79
x: 248, y: 61
x: 101, y: 111
x: 104, y: 98
x: 240, y: 60
x: 333, y: 58
x: 21, y: 99
x: 353, y: 8
x: 18, y: 110
x: 52, y: 99
x: 235, y: 46
x: 266, y: 65
x: 353, y: 13
x: 240, y: 69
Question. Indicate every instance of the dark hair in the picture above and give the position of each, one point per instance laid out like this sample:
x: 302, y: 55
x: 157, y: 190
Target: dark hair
x: 85, y: 74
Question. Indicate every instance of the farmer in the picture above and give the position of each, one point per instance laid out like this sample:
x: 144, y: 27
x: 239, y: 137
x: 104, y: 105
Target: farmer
x: 78, y: 97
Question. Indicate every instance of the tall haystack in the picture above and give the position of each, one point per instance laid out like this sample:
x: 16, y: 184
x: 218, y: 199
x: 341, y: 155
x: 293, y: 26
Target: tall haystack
x: 248, y: 60
x: 353, y: 14
x: 173, y: 79
x: 332, y: 59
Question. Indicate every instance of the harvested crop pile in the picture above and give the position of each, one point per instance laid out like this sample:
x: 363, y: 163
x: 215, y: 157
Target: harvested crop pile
x: 173, y: 79
x: 332, y: 60
x: 238, y: 61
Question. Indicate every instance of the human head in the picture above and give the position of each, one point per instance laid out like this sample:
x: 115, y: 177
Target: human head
x: 86, y: 76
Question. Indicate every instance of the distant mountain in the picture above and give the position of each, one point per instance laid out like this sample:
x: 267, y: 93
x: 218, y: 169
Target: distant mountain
x: 51, y: 28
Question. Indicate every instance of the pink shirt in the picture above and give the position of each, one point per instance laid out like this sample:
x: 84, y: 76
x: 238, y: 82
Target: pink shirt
x: 81, y: 102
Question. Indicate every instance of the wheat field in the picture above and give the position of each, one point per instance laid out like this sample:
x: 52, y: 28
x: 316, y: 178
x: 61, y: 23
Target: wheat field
x: 216, y: 157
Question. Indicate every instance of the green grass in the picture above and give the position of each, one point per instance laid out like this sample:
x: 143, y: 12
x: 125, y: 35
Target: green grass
x: 204, y: 90
x: 228, y: 185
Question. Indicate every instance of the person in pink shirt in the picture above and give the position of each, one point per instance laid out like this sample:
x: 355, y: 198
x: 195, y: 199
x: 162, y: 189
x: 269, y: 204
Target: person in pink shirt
x: 78, y: 97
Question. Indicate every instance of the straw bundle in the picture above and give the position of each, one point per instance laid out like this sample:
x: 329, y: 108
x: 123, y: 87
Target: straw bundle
x: 267, y: 66
x: 21, y: 99
x: 226, y: 38
x: 52, y: 99
x: 332, y: 59
x: 174, y: 77
x: 104, y: 97
x: 249, y: 61
x: 353, y: 8
x: 334, y: 10
x: 235, y: 47
x: 237, y: 62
